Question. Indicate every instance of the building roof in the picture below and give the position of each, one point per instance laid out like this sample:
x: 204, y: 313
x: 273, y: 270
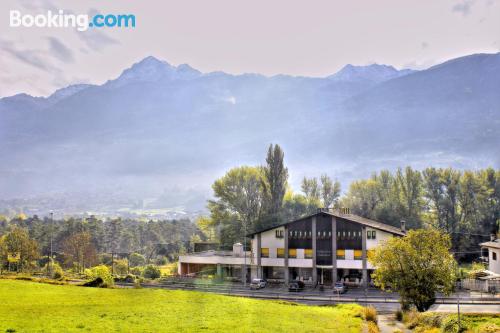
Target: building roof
x: 349, y: 217
x: 493, y: 244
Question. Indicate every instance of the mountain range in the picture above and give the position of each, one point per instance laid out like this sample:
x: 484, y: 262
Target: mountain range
x: 161, y: 134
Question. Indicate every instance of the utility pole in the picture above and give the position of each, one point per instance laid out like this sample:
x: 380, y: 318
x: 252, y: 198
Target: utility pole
x: 49, y: 264
x: 244, y: 254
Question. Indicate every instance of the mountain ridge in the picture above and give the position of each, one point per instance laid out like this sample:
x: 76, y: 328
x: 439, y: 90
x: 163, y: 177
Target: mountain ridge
x: 162, y: 126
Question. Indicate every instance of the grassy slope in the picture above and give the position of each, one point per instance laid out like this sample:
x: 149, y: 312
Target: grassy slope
x: 36, y: 307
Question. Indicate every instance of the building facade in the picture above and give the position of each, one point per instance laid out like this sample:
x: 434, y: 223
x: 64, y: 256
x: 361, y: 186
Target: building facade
x: 493, y: 248
x: 322, y: 248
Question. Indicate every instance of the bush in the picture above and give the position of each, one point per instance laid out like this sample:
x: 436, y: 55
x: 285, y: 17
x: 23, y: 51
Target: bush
x: 450, y: 325
x: 151, y: 272
x: 489, y: 328
x: 370, y: 314
x: 121, y: 266
x: 399, y: 315
x: 411, y: 319
x: 100, y: 271
x: 136, y: 259
x: 137, y: 271
x: 372, y: 327
x: 57, y: 273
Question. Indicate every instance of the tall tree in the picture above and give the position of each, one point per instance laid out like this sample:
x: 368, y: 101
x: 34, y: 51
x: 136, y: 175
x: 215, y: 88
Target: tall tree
x: 276, y: 178
x: 311, y: 189
x: 330, y: 191
x: 409, y: 187
x: 79, y: 251
x: 239, y: 203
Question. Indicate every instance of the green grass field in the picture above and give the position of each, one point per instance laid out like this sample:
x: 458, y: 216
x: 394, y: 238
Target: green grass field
x: 38, y: 307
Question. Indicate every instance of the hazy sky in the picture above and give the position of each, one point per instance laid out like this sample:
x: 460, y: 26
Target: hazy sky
x: 312, y: 38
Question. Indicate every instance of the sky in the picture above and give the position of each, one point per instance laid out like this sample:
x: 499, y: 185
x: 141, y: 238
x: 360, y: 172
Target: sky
x: 307, y: 38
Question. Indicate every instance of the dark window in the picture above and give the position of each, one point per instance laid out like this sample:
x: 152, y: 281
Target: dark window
x: 494, y: 255
x: 373, y: 234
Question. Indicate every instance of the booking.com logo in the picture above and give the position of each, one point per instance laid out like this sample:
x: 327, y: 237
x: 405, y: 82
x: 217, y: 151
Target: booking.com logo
x: 62, y: 20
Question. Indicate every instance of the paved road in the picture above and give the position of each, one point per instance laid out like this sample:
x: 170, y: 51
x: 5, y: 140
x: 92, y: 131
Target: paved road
x: 384, y: 302
x: 466, y: 308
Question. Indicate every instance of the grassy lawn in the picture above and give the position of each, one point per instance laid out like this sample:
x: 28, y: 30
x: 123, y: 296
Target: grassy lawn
x: 37, y: 307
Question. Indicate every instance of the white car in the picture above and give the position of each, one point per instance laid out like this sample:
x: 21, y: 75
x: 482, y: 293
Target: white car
x: 258, y: 284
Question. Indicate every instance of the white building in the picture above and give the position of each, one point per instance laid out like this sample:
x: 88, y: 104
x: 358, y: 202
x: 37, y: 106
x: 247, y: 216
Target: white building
x: 493, y: 247
x: 302, y: 250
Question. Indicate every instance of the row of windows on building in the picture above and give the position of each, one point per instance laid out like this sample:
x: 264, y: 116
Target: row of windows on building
x: 308, y: 253
x: 299, y: 234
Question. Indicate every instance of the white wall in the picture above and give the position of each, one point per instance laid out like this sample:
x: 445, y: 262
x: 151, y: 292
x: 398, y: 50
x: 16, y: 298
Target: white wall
x: 494, y: 265
x: 380, y: 235
x: 269, y: 240
x: 193, y: 259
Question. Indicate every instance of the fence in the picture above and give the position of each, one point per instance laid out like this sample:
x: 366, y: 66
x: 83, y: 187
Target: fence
x: 487, y: 286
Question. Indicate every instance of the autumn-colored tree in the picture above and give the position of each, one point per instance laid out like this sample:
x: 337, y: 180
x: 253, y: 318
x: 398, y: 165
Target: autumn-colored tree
x: 417, y: 266
x: 18, y: 242
x: 79, y: 251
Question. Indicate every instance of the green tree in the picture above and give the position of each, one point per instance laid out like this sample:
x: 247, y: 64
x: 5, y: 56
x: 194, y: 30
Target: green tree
x: 136, y: 259
x: 276, y: 178
x: 311, y: 189
x: 408, y: 186
x: 17, y: 241
x: 239, y: 203
x: 416, y: 266
x: 330, y: 191
x: 296, y: 206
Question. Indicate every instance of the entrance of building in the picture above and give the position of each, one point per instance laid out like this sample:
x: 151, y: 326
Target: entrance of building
x: 324, y: 276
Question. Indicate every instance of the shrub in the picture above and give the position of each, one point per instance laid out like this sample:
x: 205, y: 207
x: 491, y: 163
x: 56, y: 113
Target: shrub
x: 136, y: 259
x: 399, y: 315
x: 100, y: 271
x: 450, y: 325
x: 137, y: 271
x: 57, y: 272
x: 411, y: 318
x: 372, y: 327
x: 370, y: 314
x: 489, y: 328
x: 151, y: 272
x: 121, y: 267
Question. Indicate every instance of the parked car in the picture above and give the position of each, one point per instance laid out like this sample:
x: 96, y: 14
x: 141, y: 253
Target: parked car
x: 296, y: 286
x: 339, y: 288
x: 258, y: 284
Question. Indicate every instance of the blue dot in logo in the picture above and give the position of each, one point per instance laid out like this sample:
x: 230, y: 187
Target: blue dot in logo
x: 91, y: 24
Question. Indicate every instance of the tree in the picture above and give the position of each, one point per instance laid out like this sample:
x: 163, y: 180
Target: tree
x: 310, y: 188
x: 330, y: 191
x: 17, y: 241
x: 276, y: 177
x: 136, y: 259
x: 416, y: 266
x: 239, y: 203
x: 79, y: 251
x: 409, y: 190
x: 296, y: 206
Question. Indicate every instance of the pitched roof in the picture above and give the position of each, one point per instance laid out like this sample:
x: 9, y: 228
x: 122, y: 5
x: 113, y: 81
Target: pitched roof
x: 493, y: 244
x: 349, y: 217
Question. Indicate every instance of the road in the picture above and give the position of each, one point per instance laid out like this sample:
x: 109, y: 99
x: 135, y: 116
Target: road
x: 384, y: 302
